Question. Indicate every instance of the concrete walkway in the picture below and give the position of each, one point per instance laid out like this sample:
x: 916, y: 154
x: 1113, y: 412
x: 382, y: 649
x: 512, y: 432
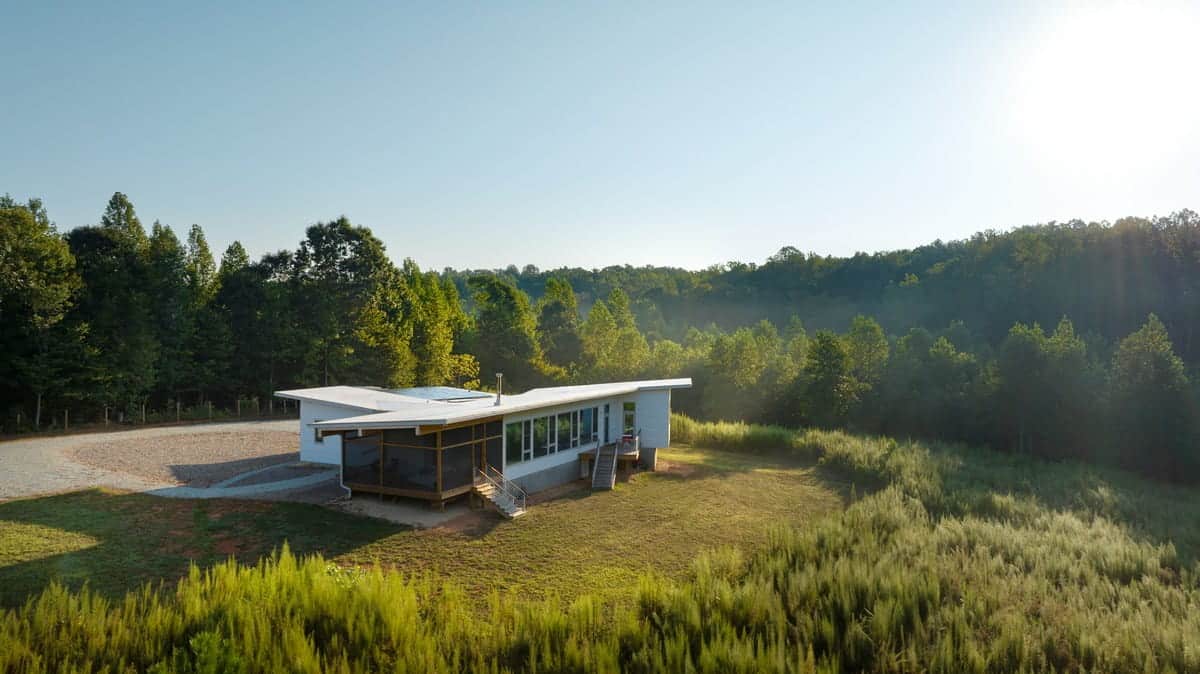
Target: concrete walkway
x: 222, y: 490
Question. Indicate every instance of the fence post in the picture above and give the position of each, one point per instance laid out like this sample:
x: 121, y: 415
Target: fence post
x: 66, y: 419
x: 18, y: 422
x: 143, y: 414
x: 210, y: 409
x: 271, y: 407
x: 106, y: 416
x: 239, y: 405
x: 176, y: 410
x: 257, y: 406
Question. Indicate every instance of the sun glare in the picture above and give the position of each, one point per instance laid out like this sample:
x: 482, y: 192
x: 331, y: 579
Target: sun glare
x: 1106, y: 91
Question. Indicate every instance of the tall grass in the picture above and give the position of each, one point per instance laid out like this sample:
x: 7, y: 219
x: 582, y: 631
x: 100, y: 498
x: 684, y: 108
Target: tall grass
x: 955, y: 560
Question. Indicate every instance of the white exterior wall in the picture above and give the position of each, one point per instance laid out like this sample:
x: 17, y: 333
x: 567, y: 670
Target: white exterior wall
x: 328, y: 450
x: 654, y: 417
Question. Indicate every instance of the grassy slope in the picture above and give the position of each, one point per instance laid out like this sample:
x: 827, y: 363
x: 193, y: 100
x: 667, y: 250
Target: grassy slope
x: 952, y: 560
x: 580, y: 543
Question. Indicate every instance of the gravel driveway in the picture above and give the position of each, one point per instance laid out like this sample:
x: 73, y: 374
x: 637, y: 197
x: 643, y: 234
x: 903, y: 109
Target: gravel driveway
x: 144, y: 459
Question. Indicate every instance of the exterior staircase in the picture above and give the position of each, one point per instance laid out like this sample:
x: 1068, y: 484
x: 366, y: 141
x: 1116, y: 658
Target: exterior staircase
x: 604, y: 471
x: 506, y: 495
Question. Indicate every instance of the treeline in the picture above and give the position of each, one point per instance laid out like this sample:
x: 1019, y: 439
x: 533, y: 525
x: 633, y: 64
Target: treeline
x: 112, y: 316
x: 1107, y: 277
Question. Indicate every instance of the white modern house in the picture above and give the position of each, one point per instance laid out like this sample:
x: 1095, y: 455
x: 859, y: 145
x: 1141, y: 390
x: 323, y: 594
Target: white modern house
x: 438, y: 443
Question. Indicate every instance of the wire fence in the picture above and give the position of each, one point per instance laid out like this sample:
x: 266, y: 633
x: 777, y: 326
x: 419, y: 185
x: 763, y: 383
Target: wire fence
x: 64, y: 419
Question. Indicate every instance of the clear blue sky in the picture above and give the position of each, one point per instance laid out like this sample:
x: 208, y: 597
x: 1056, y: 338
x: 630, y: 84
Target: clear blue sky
x: 572, y: 134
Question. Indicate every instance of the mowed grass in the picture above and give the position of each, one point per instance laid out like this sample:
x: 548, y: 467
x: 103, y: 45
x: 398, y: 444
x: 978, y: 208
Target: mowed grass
x: 599, y: 543
x: 576, y: 543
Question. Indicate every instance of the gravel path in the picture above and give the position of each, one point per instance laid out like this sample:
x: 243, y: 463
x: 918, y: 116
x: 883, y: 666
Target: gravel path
x: 156, y: 457
x: 192, y: 459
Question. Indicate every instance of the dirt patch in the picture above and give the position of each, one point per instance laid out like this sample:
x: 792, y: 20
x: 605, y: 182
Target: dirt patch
x: 676, y: 468
x: 556, y: 492
x: 473, y: 524
x: 194, y: 459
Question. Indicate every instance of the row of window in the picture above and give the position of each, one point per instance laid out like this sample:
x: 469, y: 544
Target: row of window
x: 533, y: 438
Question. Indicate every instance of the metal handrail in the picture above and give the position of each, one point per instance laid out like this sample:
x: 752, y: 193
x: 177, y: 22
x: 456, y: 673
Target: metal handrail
x: 510, y: 489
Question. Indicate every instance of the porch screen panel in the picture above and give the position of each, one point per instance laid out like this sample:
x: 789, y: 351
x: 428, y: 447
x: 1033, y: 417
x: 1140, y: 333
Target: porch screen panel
x: 457, y: 436
x: 495, y: 450
x: 361, y: 459
x: 410, y: 468
x: 457, y: 467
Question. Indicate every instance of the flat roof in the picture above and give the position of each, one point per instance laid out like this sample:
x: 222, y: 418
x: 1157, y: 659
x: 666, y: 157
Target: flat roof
x: 411, y: 412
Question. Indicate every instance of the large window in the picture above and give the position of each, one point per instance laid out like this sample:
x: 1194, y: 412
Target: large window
x: 542, y: 436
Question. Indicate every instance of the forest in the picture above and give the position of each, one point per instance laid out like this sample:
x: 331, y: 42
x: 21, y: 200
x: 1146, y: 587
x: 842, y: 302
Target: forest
x: 1059, y: 340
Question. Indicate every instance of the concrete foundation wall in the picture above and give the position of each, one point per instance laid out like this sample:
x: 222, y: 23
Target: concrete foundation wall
x: 549, y: 477
x: 648, y: 458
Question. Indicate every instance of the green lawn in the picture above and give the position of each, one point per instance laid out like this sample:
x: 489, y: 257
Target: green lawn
x: 579, y: 542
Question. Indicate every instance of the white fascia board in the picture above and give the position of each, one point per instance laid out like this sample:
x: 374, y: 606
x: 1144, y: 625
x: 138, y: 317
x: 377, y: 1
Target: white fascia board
x: 324, y: 401
x: 460, y: 412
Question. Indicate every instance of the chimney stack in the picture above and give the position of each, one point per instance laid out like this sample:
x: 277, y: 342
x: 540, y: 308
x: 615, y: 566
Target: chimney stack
x: 499, y: 385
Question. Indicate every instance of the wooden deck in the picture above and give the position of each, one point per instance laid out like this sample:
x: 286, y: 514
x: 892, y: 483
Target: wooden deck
x: 624, y: 456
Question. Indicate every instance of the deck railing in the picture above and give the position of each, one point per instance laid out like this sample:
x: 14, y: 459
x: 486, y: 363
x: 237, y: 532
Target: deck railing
x: 505, y: 487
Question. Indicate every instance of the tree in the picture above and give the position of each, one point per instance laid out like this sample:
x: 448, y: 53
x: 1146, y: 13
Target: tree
x: 438, y: 320
x: 598, y: 341
x: 630, y: 351
x: 113, y: 308
x: 342, y: 277
x: 828, y: 390
x: 1022, y: 396
x: 505, y: 333
x: 1153, y: 411
x: 867, y: 348
x: 558, y: 324
x: 172, y: 312
x: 37, y: 281
x: 122, y: 221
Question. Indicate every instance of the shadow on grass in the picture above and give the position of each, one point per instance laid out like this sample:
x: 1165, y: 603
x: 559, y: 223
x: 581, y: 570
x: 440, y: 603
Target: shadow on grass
x: 116, y: 542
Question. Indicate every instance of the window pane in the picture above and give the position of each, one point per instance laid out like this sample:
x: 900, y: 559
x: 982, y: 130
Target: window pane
x: 528, y: 426
x: 575, y: 428
x: 553, y: 435
x: 585, y: 425
x: 541, y: 436
x: 512, y: 439
x: 630, y: 418
x: 564, y: 431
